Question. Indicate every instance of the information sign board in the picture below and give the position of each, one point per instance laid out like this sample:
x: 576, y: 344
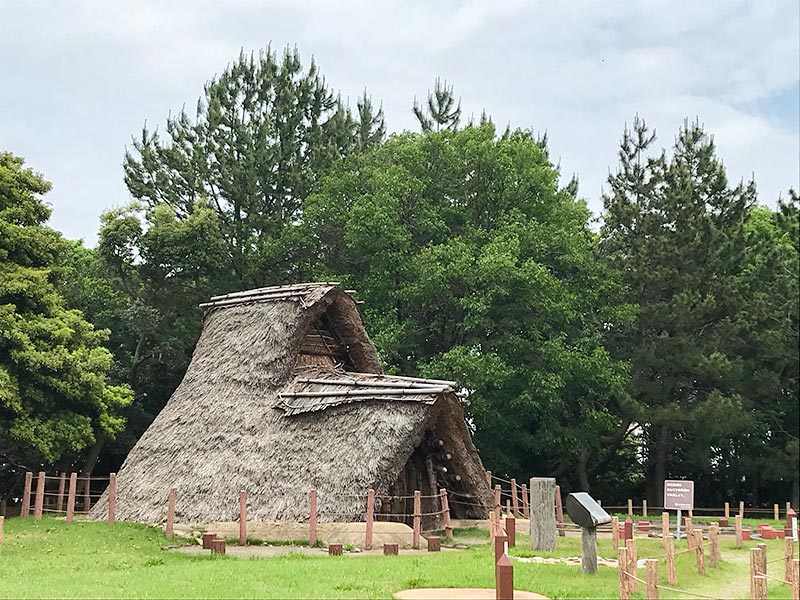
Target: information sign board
x: 678, y: 494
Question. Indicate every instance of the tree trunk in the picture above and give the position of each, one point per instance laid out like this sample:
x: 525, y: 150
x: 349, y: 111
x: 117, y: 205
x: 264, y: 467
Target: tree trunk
x: 660, y: 467
x: 583, y: 476
x: 796, y: 491
x: 94, y: 454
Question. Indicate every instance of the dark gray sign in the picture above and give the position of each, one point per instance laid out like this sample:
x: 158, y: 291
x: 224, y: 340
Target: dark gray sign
x: 585, y: 511
x: 678, y: 494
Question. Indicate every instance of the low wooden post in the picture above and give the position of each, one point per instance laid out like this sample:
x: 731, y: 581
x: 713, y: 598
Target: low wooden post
x: 112, y: 498
x: 788, y: 557
x: 672, y: 569
x: 500, y: 545
x: 622, y: 566
x: 39, y: 506
x: 489, y: 478
x: 497, y: 505
x: 762, y: 557
x: 727, y: 510
x: 589, y: 550
x: 713, y: 542
x: 664, y: 528
x: 761, y: 572
x: 312, y: 517
x: 615, y: 532
x: 526, y: 511
x: 73, y: 488
x: 87, y: 490
x: 738, y: 531
x: 559, y: 513
x: 689, y: 537
x: 492, y: 528
x: 741, y: 508
x: 700, y: 552
x: 391, y: 549
x: 788, y: 507
x: 417, y: 520
x: 24, y: 510
x: 644, y: 508
x: 633, y: 567
x: 504, y: 579
x: 754, y: 572
x: 434, y: 543
x: 242, y: 518
x: 207, y: 539
x: 511, y: 530
x: 514, y: 501
x: 796, y: 578
x: 508, y: 507
x: 368, y: 526
x: 448, y: 527
x: 651, y: 577
x: 335, y: 550
x: 217, y: 546
x: 630, y: 507
x: 776, y: 513
x: 171, y: 512
x: 62, y: 486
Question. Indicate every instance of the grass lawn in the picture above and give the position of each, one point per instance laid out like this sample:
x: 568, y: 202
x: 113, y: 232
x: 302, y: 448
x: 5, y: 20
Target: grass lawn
x: 53, y: 559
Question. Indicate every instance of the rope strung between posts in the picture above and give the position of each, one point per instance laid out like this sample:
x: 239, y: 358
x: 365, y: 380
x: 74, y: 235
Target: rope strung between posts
x: 671, y: 589
x: 765, y: 576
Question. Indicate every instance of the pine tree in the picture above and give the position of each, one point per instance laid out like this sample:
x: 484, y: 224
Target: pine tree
x: 442, y: 111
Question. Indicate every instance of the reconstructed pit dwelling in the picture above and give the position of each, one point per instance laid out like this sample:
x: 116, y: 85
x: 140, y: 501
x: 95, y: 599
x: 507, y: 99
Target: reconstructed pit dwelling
x: 284, y: 393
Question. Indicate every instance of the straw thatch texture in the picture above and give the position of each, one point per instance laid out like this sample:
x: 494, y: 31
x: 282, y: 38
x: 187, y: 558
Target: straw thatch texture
x: 252, y: 415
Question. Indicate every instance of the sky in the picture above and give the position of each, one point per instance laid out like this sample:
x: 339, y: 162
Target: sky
x: 78, y: 79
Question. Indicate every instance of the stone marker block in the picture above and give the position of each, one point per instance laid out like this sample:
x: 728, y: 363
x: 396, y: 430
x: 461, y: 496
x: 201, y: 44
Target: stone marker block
x: 335, y: 549
x: 434, y: 543
x: 207, y: 539
x: 393, y: 549
x: 542, y: 492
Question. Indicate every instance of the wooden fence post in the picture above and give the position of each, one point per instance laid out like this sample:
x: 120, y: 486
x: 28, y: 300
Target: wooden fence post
x: 738, y: 531
x: 73, y: 489
x: 622, y: 566
x: 727, y: 510
x: 664, y: 528
x: 796, y: 578
x: 559, y: 513
x: 62, y: 486
x: 417, y: 518
x: 242, y: 518
x: 776, y: 513
x: 511, y: 530
x: 368, y: 527
x: 497, y: 500
x: 526, y: 511
x: 491, y: 526
x: 713, y: 540
x: 788, y: 557
x: 112, y: 498
x: 690, y: 539
x: 630, y: 507
x: 628, y: 529
x: 700, y: 551
x: 39, y: 506
x: 87, y: 490
x: 504, y: 579
x: 754, y: 565
x: 741, y: 508
x: 761, y: 583
x: 615, y: 532
x: 24, y: 510
x: 651, y: 577
x: 312, y: 517
x: 171, y: 512
x: 514, y: 502
x: 672, y: 569
x: 489, y: 478
x: 448, y: 527
x: 644, y: 508
x: 633, y: 567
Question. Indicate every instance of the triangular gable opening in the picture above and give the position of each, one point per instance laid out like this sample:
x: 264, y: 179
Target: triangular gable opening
x: 323, y: 347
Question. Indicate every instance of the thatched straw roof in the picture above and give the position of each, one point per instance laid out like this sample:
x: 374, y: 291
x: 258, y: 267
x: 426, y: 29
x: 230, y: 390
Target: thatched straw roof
x: 285, y: 392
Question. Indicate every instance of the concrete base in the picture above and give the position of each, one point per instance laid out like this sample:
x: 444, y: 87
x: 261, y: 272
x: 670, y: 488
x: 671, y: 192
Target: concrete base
x: 461, y: 594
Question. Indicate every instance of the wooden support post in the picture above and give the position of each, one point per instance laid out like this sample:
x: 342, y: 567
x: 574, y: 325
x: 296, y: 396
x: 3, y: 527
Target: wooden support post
x: 112, y: 498
x: 633, y: 568
x: 489, y: 478
x: 796, y: 578
x: 508, y: 507
x: 242, y: 518
x: 500, y: 545
x: 73, y: 488
x: 727, y: 510
x: 615, y: 532
x: 588, y: 550
x: 622, y: 566
x: 448, y: 527
x: 689, y: 537
x: 761, y: 571
x: 26, y: 496
x: 644, y: 508
x: 171, y: 512
x: 763, y: 564
x: 370, y: 519
x: 651, y: 577
x: 497, y: 505
x: 39, y: 506
x: 754, y: 572
x: 788, y: 508
x: 776, y: 513
x: 741, y: 508
x: 738, y: 531
x: 504, y: 579
x: 491, y: 526
x: 312, y: 517
x: 700, y: 551
x: 87, y: 490
x: 664, y: 528
x: 559, y: 513
x: 514, y: 501
x: 672, y: 569
x: 62, y: 486
x: 526, y: 511
x: 417, y: 520
x: 788, y: 557
x: 511, y: 530
x: 713, y: 542
x: 630, y: 507
x: 543, y: 517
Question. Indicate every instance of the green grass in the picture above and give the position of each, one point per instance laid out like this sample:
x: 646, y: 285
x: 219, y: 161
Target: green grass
x: 53, y: 559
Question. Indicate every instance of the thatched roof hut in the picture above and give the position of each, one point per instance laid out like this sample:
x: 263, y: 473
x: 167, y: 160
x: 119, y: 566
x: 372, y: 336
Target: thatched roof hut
x: 285, y: 392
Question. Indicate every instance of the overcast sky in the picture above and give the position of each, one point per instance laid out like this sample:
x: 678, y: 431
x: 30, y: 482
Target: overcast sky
x: 79, y: 78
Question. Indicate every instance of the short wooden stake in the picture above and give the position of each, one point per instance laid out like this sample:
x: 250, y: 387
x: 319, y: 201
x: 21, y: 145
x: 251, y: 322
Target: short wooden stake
x: 788, y: 508
x: 391, y: 549
x: 500, y: 545
x: 741, y: 508
x: 622, y: 566
x: 788, y: 557
x: 39, y: 506
x: 218, y: 546
x: 87, y: 490
x: 73, y: 488
x: 26, y: 496
x: 644, y: 508
x: 633, y: 567
x: 615, y: 532
x: 242, y: 518
x: 630, y: 507
x: 727, y: 510
x: 559, y: 513
x: 511, y: 530
x: 796, y: 578
x: 370, y: 518
x: 62, y: 486
x: 112, y: 498
x: 207, y: 539
x: 492, y: 531
x: 689, y: 537
x: 497, y: 505
x: 312, y: 517
x: 588, y: 550
x: 171, y: 512
x: 738, y: 531
x: 526, y: 511
x: 508, y: 507
x: 514, y: 501
x: 417, y: 520
x: 713, y: 542
x: 448, y: 527
x: 754, y: 572
x: 434, y: 543
x: 335, y: 549
x: 672, y: 569
x: 504, y: 579
x: 664, y: 528
x: 700, y: 553
x: 651, y: 577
